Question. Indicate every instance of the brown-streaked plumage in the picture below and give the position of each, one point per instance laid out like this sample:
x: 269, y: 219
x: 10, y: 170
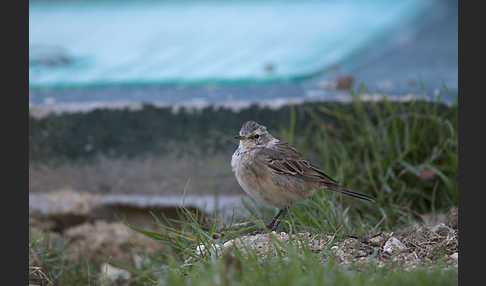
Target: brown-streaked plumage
x: 275, y: 173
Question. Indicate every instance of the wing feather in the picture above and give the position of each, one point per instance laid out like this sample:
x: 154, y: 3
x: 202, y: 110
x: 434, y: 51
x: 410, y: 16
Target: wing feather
x: 284, y: 159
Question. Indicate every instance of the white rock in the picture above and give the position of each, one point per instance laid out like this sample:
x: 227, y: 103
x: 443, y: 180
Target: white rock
x: 393, y: 245
x: 377, y: 240
x: 228, y: 245
x: 455, y: 256
x: 441, y: 229
x: 137, y: 259
x: 214, y: 250
x: 111, y: 274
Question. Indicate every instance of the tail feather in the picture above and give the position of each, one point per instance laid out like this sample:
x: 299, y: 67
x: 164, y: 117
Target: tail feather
x: 353, y: 194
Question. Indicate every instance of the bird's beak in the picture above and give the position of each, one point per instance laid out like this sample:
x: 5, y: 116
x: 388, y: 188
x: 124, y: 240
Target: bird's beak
x: 241, y: 137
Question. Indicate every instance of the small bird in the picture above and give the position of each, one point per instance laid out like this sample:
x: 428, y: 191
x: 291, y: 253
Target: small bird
x: 275, y: 173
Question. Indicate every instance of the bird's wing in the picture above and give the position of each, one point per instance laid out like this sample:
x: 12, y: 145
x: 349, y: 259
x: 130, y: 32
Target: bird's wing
x: 282, y: 158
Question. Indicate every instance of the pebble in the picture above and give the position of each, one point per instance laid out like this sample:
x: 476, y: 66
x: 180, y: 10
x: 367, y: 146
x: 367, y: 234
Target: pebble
x: 393, y: 245
x: 455, y: 256
x: 111, y: 273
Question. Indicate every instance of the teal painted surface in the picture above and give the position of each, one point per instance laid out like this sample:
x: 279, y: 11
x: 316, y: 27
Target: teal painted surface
x: 191, y: 42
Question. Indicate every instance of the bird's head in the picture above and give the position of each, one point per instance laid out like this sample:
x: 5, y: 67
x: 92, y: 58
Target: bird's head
x: 253, y: 135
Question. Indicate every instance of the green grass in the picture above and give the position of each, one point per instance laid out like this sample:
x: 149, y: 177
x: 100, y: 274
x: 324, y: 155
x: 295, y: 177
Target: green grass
x: 295, y: 268
x: 50, y: 254
x: 383, y: 149
x: 299, y: 270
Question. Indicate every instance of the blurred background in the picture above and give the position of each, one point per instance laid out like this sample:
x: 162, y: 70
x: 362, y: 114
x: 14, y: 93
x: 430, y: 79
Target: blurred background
x: 180, y: 52
x: 134, y: 103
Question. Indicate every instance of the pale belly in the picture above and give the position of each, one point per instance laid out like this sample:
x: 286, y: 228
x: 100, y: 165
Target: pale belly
x: 259, y: 183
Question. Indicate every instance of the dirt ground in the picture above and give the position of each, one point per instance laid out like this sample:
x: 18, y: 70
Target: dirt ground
x: 419, y: 245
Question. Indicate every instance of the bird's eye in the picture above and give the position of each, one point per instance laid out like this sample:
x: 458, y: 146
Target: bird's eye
x: 256, y: 136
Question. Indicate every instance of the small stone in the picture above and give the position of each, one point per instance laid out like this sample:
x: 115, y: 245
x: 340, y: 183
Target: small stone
x: 228, y: 245
x: 377, y: 240
x: 394, y: 245
x: 454, y: 256
x: 214, y: 250
x: 112, y: 274
x: 452, y: 220
x: 442, y: 229
x: 137, y: 260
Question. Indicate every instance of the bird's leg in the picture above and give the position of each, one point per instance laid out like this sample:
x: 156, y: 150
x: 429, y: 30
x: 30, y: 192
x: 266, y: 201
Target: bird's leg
x: 276, y: 220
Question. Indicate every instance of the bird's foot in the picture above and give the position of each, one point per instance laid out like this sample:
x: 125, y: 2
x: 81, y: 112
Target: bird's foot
x: 269, y: 227
x: 257, y: 231
x: 272, y: 227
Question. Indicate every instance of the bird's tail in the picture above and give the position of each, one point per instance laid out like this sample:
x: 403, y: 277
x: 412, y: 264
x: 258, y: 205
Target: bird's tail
x: 353, y: 194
